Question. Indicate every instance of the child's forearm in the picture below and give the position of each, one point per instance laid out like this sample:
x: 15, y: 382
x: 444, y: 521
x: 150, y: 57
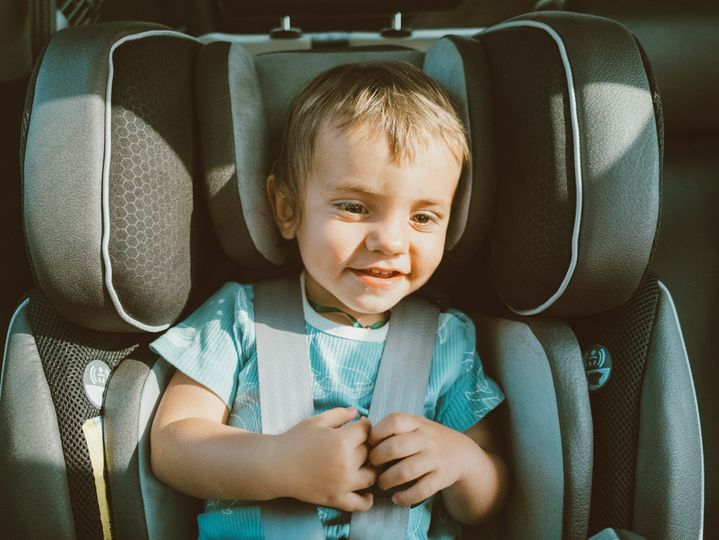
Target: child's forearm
x: 210, y: 460
x: 481, y: 491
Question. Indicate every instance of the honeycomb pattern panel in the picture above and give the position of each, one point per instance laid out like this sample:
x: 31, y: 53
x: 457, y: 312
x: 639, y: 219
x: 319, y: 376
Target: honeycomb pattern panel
x: 151, y: 172
x: 536, y: 194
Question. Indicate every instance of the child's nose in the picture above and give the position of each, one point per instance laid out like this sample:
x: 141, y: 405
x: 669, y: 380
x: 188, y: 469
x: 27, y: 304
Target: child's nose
x: 390, y: 236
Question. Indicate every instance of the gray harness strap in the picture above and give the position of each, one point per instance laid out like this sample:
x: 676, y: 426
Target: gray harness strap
x: 400, y: 387
x: 286, y: 394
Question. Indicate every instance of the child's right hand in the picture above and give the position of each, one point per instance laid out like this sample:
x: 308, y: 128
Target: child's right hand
x: 322, y: 461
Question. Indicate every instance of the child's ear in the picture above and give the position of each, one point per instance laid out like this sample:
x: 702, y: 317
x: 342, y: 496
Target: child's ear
x: 283, y: 210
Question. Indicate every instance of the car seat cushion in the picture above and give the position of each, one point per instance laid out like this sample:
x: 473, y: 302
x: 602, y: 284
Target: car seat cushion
x: 579, y: 163
x: 461, y: 66
x: 32, y: 461
x: 108, y: 161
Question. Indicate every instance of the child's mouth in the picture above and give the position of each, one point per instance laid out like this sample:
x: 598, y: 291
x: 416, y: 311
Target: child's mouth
x: 377, y: 277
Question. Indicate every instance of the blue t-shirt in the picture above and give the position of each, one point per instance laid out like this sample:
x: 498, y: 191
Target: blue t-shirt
x: 215, y: 346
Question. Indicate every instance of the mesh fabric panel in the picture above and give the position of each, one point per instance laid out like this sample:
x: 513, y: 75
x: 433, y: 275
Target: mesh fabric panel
x: 65, y: 350
x: 531, y: 238
x: 153, y: 160
x: 626, y: 332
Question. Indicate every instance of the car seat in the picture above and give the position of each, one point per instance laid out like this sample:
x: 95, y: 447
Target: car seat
x: 560, y: 205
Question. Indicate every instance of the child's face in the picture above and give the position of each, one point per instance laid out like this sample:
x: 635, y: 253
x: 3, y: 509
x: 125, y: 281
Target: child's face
x: 371, y: 232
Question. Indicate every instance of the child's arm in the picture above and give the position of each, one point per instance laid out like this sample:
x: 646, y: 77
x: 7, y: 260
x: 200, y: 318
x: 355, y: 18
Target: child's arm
x: 317, y: 460
x: 464, y: 466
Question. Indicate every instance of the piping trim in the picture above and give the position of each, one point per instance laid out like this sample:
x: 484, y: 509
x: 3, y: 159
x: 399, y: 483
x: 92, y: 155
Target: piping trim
x: 7, y: 340
x: 577, y: 161
x: 106, y: 181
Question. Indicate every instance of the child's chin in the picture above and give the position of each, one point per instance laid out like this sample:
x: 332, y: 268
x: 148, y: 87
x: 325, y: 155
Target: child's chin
x: 376, y: 306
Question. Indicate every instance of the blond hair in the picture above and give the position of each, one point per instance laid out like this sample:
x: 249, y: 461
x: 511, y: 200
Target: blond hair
x: 394, y: 98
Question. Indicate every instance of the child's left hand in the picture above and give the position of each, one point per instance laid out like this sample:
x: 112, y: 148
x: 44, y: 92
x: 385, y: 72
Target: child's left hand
x: 432, y: 454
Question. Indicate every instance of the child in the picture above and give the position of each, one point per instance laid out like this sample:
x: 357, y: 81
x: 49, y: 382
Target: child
x: 364, y: 183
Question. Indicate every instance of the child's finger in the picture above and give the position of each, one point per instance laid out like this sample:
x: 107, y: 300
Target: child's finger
x: 406, y: 470
x: 336, y: 417
x: 392, y: 424
x: 358, y: 431
x: 366, y: 477
x: 356, y: 502
x: 395, y: 447
x: 421, y: 490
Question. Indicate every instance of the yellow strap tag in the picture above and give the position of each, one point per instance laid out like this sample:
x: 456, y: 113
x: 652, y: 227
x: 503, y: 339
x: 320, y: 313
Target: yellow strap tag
x: 93, y: 435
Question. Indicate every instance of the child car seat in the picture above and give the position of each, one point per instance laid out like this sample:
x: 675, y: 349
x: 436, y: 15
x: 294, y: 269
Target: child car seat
x: 563, y: 184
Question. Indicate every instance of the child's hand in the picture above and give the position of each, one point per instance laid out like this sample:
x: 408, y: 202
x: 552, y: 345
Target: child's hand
x: 323, y: 460
x: 430, y: 453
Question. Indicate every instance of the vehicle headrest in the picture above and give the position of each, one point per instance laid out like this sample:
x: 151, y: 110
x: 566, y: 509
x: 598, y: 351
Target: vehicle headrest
x: 108, y: 156
x: 242, y: 103
x: 579, y: 153
x: 681, y: 40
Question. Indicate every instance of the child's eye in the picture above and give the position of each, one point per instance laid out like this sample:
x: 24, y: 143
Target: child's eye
x: 351, y: 207
x: 425, y: 218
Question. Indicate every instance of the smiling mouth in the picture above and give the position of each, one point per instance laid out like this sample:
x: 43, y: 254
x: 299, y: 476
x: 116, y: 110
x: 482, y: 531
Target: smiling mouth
x: 377, y: 273
x: 377, y: 278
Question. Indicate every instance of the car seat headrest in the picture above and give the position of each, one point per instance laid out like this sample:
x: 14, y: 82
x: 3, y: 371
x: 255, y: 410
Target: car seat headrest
x: 108, y: 160
x: 579, y: 151
x: 243, y: 101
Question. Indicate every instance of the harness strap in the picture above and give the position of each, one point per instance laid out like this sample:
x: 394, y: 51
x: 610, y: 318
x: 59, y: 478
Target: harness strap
x: 285, y: 380
x: 400, y: 387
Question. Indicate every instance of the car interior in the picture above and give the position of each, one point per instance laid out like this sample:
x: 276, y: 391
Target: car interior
x: 583, y: 241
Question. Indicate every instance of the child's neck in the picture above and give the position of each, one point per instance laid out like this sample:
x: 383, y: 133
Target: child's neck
x: 371, y: 320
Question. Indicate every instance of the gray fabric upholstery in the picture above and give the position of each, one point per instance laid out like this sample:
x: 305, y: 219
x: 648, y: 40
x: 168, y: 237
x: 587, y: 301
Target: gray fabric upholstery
x: 34, y: 498
x: 251, y: 151
x: 669, y: 494
x: 217, y: 139
x: 68, y: 153
x: 460, y: 66
x: 143, y: 507
x: 533, y: 441
x: 616, y: 156
x: 120, y: 437
x: 575, y: 420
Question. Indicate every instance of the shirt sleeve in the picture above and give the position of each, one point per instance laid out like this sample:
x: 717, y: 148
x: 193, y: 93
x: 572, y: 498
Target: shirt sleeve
x: 206, y: 346
x: 472, y: 394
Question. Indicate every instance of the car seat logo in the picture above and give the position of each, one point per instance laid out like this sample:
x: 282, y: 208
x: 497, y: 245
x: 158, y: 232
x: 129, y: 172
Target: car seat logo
x: 94, y: 380
x: 597, y: 366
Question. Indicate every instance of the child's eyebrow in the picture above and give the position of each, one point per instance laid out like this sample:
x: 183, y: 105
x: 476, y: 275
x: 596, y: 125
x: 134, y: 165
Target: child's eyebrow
x: 359, y: 189
x: 349, y: 187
